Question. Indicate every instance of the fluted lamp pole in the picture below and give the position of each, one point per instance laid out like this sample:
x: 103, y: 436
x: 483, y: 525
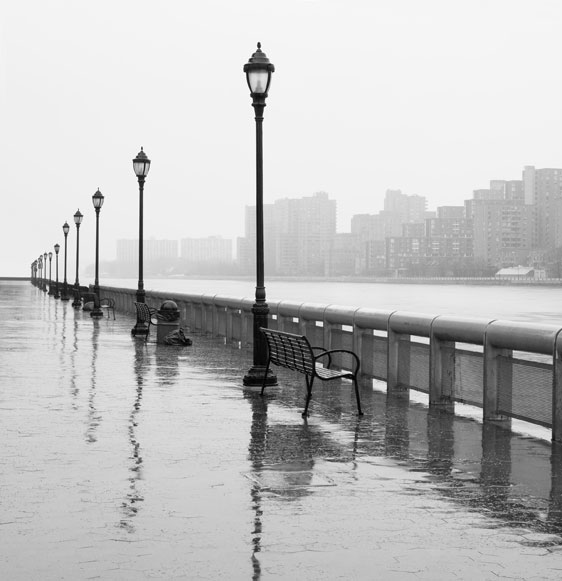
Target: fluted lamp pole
x: 78, y: 217
x: 97, y: 201
x: 258, y: 75
x: 57, y: 249
x: 65, y: 230
x: 141, y: 166
x: 51, y: 289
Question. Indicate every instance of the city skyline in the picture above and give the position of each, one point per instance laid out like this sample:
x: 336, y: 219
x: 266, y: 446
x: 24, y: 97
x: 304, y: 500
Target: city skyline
x: 434, y: 99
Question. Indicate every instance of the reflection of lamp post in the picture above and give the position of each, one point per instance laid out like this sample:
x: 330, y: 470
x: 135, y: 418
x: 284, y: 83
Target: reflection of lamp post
x: 97, y: 201
x: 45, y: 272
x: 66, y: 230
x: 51, y: 291
x: 77, y: 220
x: 57, y: 248
x: 258, y: 75
x: 141, y: 165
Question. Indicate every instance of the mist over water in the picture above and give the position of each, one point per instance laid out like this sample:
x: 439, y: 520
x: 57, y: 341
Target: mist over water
x: 516, y: 303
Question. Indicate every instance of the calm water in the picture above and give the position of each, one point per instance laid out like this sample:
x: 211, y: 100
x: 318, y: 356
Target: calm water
x: 518, y: 303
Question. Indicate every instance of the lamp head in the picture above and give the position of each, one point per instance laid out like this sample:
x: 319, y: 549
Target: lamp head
x: 97, y: 200
x: 258, y: 73
x: 141, y: 164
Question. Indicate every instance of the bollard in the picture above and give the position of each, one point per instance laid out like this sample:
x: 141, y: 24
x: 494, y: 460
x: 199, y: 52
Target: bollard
x: 168, y: 320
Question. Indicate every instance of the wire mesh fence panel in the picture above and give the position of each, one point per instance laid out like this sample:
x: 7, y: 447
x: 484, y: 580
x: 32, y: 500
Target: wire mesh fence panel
x: 469, y: 377
x: 525, y: 390
x: 418, y: 367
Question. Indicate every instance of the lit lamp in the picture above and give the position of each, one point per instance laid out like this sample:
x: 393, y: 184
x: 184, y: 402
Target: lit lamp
x: 97, y: 201
x: 258, y: 75
x: 65, y: 230
x: 78, y: 217
x: 57, y: 294
x: 51, y: 290
x: 141, y: 166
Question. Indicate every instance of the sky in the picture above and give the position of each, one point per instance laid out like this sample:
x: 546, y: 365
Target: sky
x: 432, y: 97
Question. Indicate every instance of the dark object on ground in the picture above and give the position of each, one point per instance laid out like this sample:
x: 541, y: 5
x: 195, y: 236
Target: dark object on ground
x: 108, y: 304
x: 177, y: 338
x: 295, y: 352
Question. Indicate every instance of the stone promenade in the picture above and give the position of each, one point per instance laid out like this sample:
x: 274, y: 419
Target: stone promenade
x: 122, y: 460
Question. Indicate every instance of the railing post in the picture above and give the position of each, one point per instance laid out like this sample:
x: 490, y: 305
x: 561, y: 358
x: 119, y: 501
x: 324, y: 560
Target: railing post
x: 557, y: 390
x: 491, y: 379
x: 441, y: 369
x: 398, y: 360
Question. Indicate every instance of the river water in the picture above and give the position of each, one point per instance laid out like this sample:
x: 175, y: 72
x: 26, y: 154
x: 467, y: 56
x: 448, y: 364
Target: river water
x: 538, y: 304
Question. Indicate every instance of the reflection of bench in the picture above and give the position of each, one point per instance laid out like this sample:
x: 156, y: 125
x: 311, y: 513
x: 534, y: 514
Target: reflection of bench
x: 108, y: 304
x: 144, y: 317
x: 295, y: 352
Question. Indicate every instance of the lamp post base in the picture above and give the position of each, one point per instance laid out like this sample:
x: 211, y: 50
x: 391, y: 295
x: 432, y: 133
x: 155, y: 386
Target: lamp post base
x: 140, y: 329
x: 96, y: 314
x: 256, y: 374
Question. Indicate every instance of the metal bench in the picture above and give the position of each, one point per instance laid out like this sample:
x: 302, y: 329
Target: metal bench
x: 294, y: 352
x: 108, y: 304
x: 144, y: 316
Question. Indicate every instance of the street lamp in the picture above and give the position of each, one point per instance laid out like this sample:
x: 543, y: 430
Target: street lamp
x: 258, y: 75
x: 77, y: 220
x: 97, y: 201
x: 57, y: 248
x: 40, y: 263
x: 51, y: 291
x: 45, y: 272
x: 141, y: 165
x: 66, y: 230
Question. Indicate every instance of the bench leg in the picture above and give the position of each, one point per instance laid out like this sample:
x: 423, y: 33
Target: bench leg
x: 357, y: 396
x: 265, y: 377
x: 309, y: 382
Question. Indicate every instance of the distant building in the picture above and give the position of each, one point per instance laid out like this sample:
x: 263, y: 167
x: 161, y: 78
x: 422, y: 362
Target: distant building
x: 153, y: 250
x: 213, y: 249
x: 298, y: 235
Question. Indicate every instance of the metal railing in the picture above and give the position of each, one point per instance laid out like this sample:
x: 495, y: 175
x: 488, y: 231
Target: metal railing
x: 509, y: 369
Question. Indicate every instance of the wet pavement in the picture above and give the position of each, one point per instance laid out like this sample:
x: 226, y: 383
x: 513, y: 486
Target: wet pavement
x: 126, y: 460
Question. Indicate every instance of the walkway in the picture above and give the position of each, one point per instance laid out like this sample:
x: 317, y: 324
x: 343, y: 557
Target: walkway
x: 126, y: 461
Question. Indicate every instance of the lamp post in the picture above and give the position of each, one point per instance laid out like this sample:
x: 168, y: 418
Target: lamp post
x: 66, y: 230
x: 40, y: 263
x: 141, y: 165
x: 57, y: 294
x: 45, y: 272
x: 51, y: 291
x: 97, y: 201
x: 77, y: 220
x: 258, y: 75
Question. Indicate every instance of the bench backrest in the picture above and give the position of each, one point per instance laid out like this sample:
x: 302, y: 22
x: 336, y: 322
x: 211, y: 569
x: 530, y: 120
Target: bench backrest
x: 143, y: 312
x: 290, y: 351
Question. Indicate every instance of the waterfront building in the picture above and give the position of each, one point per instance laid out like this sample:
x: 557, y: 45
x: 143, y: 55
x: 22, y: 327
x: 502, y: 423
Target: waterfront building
x: 298, y: 236
x: 153, y: 250
x: 210, y: 249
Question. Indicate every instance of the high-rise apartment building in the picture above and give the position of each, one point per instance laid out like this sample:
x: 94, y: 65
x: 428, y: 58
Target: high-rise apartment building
x: 153, y: 250
x: 298, y: 235
x: 212, y: 249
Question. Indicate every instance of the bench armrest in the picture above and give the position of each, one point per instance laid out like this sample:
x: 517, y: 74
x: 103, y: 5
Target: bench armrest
x: 329, y: 353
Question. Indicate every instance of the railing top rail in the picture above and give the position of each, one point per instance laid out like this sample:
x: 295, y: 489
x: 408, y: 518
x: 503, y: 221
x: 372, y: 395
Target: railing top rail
x: 460, y: 329
x: 530, y: 337
x: 411, y: 323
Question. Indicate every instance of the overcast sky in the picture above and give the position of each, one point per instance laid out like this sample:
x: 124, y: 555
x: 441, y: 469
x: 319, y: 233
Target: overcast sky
x: 433, y: 97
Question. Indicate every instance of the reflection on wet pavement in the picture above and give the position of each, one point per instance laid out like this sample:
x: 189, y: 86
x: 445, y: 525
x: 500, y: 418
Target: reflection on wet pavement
x: 129, y: 460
